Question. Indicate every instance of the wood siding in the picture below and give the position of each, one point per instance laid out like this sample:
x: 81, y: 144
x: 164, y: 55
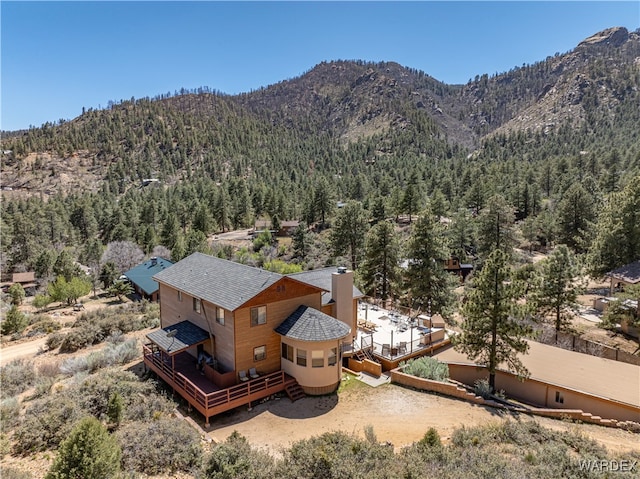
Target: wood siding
x: 249, y: 337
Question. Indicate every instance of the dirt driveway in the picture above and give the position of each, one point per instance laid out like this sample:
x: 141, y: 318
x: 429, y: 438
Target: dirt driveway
x: 397, y: 414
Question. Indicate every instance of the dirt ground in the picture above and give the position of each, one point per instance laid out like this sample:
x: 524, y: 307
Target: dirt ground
x: 396, y: 414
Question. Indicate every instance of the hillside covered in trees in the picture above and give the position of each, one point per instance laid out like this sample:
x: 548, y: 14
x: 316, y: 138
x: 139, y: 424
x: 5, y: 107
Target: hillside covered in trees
x: 555, y: 139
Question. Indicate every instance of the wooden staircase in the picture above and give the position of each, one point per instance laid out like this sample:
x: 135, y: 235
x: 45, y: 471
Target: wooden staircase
x: 294, y: 390
x: 362, y: 354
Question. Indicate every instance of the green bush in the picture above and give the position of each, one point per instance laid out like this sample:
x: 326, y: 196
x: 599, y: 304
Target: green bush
x: 43, y: 324
x: 146, y: 448
x: 16, y: 377
x: 15, y: 321
x: 426, y: 368
x: 89, y: 452
x: 17, y: 294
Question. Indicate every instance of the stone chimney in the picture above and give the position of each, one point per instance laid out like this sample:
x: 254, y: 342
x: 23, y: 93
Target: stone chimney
x: 342, y: 296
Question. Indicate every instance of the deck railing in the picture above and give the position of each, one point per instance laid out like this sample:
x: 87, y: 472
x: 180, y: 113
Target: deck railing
x: 210, y: 404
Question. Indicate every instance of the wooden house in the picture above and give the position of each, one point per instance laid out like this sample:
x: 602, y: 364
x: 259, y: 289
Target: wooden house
x: 232, y: 334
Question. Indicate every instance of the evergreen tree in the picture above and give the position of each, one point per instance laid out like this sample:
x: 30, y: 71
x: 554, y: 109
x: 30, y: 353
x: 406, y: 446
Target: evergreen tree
x: 491, y: 331
x: 17, y: 294
x: 348, y: 232
x: 379, y: 271
x: 89, y: 452
x: 617, y: 238
x: 575, y: 218
x: 323, y: 201
x: 556, y: 288
x: 301, y: 241
x: 170, y: 231
x: 428, y: 284
x: 411, y: 199
x: 495, y: 227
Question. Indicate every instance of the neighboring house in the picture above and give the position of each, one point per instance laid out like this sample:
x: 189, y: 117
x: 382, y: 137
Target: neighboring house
x: 287, y: 228
x: 625, y: 275
x: 240, y: 321
x: 462, y: 270
x: 141, y: 277
x: 27, y: 280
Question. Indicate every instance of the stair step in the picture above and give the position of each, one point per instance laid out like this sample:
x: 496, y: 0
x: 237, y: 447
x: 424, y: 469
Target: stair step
x: 294, y: 391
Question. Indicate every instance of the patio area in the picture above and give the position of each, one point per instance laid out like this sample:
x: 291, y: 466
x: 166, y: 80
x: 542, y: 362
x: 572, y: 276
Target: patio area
x: 393, y: 335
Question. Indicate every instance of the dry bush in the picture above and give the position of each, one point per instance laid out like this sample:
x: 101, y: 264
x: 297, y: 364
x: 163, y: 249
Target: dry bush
x: 16, y: 377
x: 145, y: 447
x: 49, y: 369
x: 9, y: 413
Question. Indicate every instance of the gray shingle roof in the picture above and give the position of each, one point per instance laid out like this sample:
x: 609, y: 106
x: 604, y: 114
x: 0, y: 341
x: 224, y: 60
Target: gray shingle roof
x: 308, y: 324
x: 321, y: 278
x: 629, y: 272
x: 186, y: 334
x: 218, y: 281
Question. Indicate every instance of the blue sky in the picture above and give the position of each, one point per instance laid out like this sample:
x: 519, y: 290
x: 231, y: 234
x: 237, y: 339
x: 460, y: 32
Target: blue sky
x: 58, y: 57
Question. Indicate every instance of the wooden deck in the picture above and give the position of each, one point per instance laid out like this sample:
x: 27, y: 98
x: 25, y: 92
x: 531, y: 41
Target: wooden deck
x: 204, y: 395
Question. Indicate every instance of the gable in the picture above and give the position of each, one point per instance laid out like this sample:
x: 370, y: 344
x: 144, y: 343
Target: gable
x: 282, y: 290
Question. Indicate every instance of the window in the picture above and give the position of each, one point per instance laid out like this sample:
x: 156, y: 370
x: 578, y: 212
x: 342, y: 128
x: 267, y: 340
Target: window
x: 287, y: 352
x: 301, y: 357
x: 559, y: 398
x: 220, y: 316
x: 317, y: 359
x: 258, y: 315
x: 259, y: 353
x: 196, y: 305
x: 180, y: 296
x: 333, y: 356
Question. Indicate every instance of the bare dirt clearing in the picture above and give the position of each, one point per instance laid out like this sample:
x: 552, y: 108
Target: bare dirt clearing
x: 397, y: 414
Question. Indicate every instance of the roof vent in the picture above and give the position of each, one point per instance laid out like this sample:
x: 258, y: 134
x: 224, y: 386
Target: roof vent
x: 342, y: 269
x: 154, y: 260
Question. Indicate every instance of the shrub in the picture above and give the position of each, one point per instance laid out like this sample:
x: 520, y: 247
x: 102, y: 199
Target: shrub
x: 41, y: 301
x: 427, y: 368
x: 17, y: 294
x: 54, y: 341
x: 9, y: 413
x: 43, y: 324
x: 235, y: 458
x: 13, y: 473
x: 49, y: 369
x: 15, y: 321
x: 482, y: 388
x: 73, y: 366
x: 89, y: 452
x: 46, y: 423
x: 43, y: 386
x: 16, y: 377
x: 149, y: 407
x: 145, y: 447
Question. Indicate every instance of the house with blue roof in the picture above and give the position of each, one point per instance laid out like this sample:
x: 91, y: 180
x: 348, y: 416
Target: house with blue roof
x: 141, y: 277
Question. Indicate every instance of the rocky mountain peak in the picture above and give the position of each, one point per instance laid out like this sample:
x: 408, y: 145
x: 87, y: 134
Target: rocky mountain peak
x: 614, y: 36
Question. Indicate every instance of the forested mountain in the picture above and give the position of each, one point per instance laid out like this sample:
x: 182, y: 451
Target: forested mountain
x: 343, y: 130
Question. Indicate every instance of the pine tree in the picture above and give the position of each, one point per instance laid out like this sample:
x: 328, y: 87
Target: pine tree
x: 301, y: 241
x: 617, y: 239
x: 379, y: 271
x: 427, y: 283
x: 575, y: 218
x: 495, y: 227
x: 492, y: 333
x: 348, y: 232
x: 556, y: 288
